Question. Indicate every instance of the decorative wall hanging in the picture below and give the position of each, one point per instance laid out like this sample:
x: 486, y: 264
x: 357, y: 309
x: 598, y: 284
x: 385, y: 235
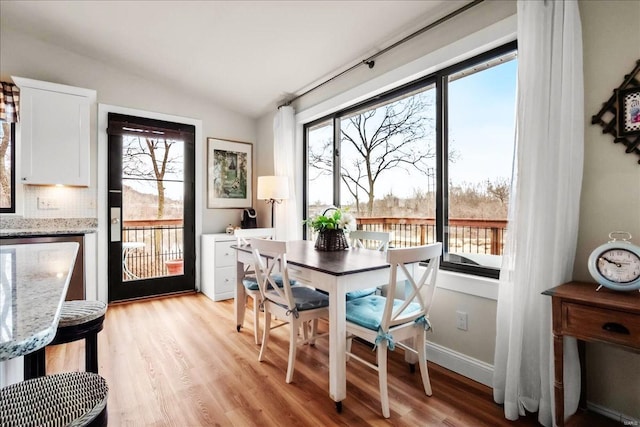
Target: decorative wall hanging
x: 620, y: 115
x: 229, y: 173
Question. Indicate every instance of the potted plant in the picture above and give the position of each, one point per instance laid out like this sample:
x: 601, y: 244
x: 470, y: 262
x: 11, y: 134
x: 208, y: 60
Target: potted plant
x: 331, y: 226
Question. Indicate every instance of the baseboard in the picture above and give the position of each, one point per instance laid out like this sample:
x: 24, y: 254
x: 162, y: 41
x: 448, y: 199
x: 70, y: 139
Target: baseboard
x: 462, y: 364
x: 617, y: 416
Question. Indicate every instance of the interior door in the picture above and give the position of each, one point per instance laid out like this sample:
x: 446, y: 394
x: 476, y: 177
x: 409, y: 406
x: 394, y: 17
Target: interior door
x: 151, y: 207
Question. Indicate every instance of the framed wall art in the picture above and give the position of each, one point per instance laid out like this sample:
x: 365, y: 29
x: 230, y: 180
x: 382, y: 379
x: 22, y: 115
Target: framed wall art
x: 229, y: 173
x: 629, y: 114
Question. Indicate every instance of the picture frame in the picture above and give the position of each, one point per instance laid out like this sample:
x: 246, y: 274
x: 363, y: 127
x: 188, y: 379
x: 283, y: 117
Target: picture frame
x: 628, y: 111
x: 229, y: 174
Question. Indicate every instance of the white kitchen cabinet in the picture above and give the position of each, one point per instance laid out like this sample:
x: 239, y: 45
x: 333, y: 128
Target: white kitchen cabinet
x: 54, y: 133
x: 218, y: 266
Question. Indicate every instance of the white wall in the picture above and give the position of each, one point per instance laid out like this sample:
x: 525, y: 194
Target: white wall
x: 24, y: 56
x: 610, y: 198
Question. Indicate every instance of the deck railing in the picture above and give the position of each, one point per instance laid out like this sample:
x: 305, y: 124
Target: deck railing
x: 481, y: 236
x: 162, y: 238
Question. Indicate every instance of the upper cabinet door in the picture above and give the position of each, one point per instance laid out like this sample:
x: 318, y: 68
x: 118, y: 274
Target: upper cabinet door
x: 54, y: 133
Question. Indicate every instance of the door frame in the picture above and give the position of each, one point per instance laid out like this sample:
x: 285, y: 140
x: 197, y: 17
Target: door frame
x: 102, y: 190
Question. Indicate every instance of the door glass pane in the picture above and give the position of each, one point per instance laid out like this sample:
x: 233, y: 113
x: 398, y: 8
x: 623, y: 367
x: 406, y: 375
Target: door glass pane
x: 387, y: 167
x: 319, y: 169
x: 481, y: 108
x: 152, y: 207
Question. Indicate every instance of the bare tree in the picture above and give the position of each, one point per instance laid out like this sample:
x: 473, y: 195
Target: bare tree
x: 392, y: 136
x: 5, y: 182
x: 499, y: 189
x: 150, y: 159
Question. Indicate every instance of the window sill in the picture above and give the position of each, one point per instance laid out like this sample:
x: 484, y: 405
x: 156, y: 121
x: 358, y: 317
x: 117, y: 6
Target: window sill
x: 483, y: 287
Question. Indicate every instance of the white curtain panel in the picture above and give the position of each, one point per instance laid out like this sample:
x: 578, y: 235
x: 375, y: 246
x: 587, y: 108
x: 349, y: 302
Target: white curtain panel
x: 287, y: 223
x: 544, y: 209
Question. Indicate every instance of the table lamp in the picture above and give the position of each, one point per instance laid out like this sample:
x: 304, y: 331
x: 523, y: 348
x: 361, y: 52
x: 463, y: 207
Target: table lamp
x: 273, y: 189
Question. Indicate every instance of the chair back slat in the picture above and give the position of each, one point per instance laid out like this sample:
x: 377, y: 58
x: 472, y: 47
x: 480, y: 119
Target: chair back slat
x: 276, y: 253
x: 244, y: 234
x: 360, y: 238
x: 420, y: 285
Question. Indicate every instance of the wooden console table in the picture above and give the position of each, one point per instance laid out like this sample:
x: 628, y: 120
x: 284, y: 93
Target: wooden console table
x: 605, y: 316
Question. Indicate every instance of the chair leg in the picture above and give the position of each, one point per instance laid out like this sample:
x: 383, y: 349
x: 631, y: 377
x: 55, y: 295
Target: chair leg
x: 293, y: 345
x: 422, y: 360
x: 256, y: 321
x: 265, y: 333
x: 349, y: 342
x: 91, y: 353
x: 382, y: 378
x: 314, y: 331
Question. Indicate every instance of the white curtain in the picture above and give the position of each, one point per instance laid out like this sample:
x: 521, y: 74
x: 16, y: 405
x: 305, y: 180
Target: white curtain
x: 544, y: 209
x: 287, y: 223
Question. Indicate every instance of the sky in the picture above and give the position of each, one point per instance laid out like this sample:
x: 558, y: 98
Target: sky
x: 481, y: 131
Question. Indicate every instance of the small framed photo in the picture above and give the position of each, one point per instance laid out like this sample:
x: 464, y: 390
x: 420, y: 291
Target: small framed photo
x: 229, y: 173
x: 629, y: 112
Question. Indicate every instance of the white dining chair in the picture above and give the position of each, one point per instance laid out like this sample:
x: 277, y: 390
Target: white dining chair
x: 299, y: 306
x: 387, y: 322
x: 249, y: 281
x: 377, y: 240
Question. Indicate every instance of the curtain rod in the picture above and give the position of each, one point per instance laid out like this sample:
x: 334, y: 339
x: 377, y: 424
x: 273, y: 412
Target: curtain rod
x: 369, y: 61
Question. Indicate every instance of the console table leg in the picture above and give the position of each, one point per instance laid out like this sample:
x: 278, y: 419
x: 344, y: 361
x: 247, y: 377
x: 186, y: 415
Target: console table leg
x: 558, y: 356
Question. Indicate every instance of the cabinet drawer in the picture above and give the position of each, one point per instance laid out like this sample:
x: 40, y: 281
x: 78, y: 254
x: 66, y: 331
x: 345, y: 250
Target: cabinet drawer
x: 225, y: 254
x: 225, y: 278
x: 612, y: 326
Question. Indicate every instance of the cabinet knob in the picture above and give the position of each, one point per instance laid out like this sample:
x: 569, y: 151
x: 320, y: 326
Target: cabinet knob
x: 24, y: 178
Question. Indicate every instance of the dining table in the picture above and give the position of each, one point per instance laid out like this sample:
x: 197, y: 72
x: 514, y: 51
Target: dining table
x: 335, y: 272
x: 34, y: 279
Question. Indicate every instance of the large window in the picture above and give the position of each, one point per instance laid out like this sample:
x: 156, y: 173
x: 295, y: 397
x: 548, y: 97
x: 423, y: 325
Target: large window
x: 7, y: 168
x: 430, y: 161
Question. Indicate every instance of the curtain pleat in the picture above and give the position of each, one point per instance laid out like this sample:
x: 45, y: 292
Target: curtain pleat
x: 544, y: 211
x: 288, y: 224
x: 9, y: 103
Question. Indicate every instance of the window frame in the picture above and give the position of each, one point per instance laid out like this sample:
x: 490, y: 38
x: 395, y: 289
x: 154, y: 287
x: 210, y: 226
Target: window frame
x: 12, y: 208
x: 440, y: 80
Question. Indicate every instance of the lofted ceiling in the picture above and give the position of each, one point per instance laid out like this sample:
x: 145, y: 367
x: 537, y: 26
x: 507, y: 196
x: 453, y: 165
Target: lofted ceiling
x: 246, y: 56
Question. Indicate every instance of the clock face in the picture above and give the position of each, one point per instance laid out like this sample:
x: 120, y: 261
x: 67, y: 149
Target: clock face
x: 619, y: 265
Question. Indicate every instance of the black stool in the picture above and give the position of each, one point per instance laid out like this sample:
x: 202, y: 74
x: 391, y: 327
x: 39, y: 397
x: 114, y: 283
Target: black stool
x: 79, y: 319
x: 72, y: 398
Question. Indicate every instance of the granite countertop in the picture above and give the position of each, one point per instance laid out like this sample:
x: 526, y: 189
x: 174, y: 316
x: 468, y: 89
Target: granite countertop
x: 21, y: 227
x: 33, y: 285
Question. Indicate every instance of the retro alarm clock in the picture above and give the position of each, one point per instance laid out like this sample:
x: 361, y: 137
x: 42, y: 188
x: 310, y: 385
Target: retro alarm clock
x: 616, y: 264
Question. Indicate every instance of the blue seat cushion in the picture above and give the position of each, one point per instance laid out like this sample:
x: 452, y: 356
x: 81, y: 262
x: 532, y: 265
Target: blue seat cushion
x: 360, y: 293
x: 306, y: 298
x: 251, y: 283
x: 367, y: 311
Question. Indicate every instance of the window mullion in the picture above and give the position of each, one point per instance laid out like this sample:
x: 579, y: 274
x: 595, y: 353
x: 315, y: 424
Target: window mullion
x: 336, y: 160
x: 442, y: 198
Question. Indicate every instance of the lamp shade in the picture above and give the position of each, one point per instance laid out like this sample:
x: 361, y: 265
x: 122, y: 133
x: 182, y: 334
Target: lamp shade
x: 273, y: 187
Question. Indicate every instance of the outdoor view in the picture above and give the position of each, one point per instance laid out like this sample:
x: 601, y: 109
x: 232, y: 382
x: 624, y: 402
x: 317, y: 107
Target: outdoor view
x: 152, y: 206
x: 388, y: 164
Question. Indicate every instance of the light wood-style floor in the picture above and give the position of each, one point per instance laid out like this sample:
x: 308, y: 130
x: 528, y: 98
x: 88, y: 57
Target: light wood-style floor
x: 178, y: 361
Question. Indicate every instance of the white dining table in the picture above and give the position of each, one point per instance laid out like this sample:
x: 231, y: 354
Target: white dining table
x: 336, y: 273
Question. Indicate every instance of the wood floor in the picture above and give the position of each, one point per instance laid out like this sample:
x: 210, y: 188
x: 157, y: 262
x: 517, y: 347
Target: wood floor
x: 178, y: 361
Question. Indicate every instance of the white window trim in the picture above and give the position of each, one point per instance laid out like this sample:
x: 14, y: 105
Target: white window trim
x: 495, y: 35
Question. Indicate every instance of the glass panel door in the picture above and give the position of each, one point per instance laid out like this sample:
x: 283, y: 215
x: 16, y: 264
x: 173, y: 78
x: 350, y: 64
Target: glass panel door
x: 152, y: 248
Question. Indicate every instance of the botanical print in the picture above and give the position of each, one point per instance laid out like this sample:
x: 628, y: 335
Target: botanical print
x: 230, y: 174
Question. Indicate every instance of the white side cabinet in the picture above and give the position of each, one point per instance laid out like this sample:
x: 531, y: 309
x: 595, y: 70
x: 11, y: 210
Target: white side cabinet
x: 54, y: 133
x: 218, y: 264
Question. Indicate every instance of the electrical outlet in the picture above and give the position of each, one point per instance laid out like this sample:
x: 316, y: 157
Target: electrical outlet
x: 47, y: 203
x: 462, y: 321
